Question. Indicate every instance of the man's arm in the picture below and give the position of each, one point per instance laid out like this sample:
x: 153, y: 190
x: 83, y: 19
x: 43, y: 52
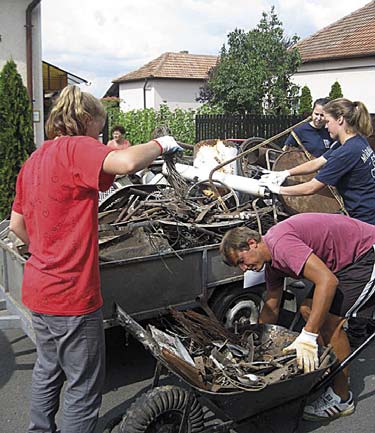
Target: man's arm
x: 325, y: 288
x: 271, y: 307
x: 17, y: 226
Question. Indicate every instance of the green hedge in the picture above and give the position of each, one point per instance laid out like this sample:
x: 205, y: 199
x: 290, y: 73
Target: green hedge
x: 139, y: 124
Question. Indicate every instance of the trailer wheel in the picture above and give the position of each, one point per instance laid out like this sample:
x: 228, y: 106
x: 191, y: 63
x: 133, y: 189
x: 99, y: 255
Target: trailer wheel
x: 237, y: 307
x: 160, y: 410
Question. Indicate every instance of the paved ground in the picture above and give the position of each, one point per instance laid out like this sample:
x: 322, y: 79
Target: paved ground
x: 129, y: 371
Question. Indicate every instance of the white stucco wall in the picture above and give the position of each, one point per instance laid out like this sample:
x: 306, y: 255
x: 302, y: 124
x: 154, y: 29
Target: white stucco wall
x: 174, y: 93
x: 13, y: 46
x: 131, y: 95
x: 356, y: 77
x: 177, y: 93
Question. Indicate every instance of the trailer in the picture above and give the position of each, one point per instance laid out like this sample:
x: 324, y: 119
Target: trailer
x: 147, y: 287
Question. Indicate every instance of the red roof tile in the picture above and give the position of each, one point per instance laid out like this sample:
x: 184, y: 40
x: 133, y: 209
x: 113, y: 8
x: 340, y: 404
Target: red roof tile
x: 351, y: 36
x: 173, y: 65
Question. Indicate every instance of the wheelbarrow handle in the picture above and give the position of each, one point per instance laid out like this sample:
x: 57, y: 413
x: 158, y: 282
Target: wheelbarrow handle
x: 138, y: 332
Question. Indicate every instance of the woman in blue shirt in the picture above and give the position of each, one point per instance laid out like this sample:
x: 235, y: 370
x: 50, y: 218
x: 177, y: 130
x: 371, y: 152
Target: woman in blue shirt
x: 349, y: 167
x: 313, y: 135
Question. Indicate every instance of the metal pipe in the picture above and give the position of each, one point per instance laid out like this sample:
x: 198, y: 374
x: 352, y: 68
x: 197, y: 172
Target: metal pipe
x: 240, y: 155
x: 238, y: 183
x: 144, y: 92
x: 29, y: 47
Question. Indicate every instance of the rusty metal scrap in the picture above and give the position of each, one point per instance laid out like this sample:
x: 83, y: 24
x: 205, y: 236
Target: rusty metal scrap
x: 223, y: 361
x: 183, y: 215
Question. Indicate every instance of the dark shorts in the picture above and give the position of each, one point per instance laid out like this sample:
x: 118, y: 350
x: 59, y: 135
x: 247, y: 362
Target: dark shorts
x: 355, y: 294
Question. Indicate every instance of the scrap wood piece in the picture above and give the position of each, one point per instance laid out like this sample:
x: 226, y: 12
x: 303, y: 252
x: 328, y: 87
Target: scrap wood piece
x: 190, y: 373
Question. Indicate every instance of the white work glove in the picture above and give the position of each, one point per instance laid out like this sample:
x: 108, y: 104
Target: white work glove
x: 272, y: 186
x: 168, y: 144
x: 306, y: 348
x: 277, y: 177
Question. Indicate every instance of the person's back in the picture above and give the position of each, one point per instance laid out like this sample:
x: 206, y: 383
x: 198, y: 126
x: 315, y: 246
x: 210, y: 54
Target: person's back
x: 337, y: 240
x: 55, y: 213
x: 59, y: 199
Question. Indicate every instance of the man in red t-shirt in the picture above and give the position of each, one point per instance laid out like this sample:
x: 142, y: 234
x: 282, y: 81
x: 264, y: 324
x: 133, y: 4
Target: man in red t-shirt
x: 336, y: 253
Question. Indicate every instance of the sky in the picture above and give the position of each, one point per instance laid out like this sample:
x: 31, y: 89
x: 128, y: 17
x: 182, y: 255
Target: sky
x: 103, y: 40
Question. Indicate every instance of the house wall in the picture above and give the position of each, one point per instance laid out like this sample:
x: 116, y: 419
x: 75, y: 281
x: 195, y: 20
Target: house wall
x: 174, y: 93
x: 356, y: 77
x: 177, y: 93
x: 131, y: 95
x: 13, y: 45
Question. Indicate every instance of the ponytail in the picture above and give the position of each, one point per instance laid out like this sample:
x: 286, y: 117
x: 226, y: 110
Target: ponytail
x: 362, y: 119
x: 355, y: 114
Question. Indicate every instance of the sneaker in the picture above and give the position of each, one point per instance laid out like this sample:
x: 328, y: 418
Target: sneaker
x: 328, y: 406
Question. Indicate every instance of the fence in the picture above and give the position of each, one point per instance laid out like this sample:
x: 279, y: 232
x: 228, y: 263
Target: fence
x: 242, y: 126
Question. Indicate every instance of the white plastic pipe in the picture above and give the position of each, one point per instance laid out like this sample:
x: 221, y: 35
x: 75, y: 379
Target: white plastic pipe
x: 238, y: 183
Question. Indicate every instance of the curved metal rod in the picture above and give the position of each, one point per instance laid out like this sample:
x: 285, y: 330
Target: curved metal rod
x: 219, y: 197
x: 185, y: 145
x: 240, y: 155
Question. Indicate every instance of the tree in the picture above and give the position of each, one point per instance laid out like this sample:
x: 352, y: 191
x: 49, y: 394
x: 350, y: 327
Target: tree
x: 305, y: 101
x: 254, y: 71
x: 16, y: 132
x: 336, y: 91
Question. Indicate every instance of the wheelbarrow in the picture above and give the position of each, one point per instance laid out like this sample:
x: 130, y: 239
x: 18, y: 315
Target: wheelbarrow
x: 179, y: 409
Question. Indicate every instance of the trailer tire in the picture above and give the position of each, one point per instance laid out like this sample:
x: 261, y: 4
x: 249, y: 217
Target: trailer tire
x: 237, y: 306
x: 160, y: 410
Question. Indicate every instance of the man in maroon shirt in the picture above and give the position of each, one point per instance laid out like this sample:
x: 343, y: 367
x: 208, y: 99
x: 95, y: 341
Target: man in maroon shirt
x: 334, y: 252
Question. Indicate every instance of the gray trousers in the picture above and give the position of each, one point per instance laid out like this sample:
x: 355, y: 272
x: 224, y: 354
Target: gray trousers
x: 71, y: 348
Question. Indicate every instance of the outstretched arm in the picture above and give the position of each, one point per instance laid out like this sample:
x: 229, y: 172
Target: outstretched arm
x: 134, y: 158
x: 308, y: 167
x: 307, y: 188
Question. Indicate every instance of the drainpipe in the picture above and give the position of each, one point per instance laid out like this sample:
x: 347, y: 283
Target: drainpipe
x: 144, y: 92
x: 29, y: 46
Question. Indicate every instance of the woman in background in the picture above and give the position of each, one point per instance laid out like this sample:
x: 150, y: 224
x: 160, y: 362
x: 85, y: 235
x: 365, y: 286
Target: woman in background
x: 118, y: 142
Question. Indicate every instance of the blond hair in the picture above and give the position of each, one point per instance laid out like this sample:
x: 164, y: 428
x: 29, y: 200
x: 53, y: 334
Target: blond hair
x: 72, y: 111
x: 355, y: 114
x: 236, y: 240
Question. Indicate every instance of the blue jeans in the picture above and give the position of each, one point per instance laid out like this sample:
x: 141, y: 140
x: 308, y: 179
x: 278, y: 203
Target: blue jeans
x: 71, y: 348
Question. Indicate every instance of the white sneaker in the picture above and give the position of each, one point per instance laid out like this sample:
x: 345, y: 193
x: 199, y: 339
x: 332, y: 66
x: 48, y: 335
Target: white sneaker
x: 328, y: 406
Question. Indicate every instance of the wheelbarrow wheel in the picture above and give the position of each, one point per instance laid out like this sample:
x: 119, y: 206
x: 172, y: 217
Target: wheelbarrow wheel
x: 160, y: 410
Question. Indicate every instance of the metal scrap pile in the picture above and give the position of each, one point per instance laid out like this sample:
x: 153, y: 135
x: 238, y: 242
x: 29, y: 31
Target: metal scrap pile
x: 166, y: 218
x: 212, y: 358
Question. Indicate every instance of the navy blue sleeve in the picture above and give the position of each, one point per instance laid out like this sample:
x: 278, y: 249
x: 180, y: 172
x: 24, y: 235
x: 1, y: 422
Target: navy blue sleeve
x: 290, y: 141
x: 339, y: 162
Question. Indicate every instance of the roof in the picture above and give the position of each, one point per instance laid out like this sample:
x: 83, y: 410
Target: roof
x: 72, y: 78
x: 351, y: 36
x: 173, y: 65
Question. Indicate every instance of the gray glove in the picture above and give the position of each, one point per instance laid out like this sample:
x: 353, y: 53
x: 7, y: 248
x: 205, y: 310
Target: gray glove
x: 306, y: 348
x: 168, y: 145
